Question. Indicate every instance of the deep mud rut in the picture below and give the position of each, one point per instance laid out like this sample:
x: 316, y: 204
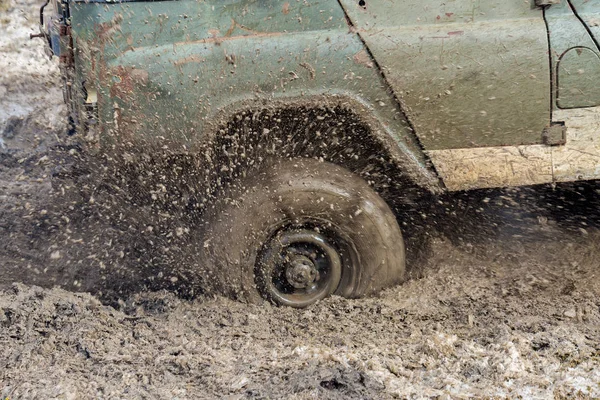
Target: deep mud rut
x: 506, y: 306
x: 476, y: 325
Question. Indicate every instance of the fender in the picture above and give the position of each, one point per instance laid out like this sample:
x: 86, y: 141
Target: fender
x: 177, y: 94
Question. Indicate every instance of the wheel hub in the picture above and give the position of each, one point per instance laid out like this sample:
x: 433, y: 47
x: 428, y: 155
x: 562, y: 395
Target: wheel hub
x: 301, y: 271
x: 298, y: 267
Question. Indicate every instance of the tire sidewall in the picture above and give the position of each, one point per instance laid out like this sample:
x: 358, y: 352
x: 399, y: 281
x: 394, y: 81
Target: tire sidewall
x: 294, y: 193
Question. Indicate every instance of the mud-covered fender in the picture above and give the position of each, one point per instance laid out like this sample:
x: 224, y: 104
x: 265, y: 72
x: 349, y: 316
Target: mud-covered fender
x: 178, y: 94
x: 170, y: 73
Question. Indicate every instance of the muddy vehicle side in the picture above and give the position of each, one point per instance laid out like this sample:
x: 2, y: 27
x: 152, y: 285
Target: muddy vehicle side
x: 383, y: 97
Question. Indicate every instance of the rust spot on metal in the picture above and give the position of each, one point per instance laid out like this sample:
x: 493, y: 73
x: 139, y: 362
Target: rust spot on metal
x: 67, y: 58
x: 363, y: 58
x: 449, y: 35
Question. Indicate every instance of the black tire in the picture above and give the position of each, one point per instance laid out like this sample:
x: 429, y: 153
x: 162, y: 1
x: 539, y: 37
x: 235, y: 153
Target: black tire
x: 338, y: 235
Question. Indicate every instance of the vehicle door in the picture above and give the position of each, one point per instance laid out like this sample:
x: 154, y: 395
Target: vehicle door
x: 589, y: 12
x: 574, y: 31
x: 470, y: 73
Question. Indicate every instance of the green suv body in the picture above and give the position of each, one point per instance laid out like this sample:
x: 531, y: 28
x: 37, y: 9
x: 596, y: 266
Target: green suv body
x: 478, y: 87
x: 455, y: 94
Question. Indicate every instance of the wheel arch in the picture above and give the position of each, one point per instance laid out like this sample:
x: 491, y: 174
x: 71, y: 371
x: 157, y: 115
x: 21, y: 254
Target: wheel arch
x: 358, y: 140
x: 246, y: 134
x: 367, y: 134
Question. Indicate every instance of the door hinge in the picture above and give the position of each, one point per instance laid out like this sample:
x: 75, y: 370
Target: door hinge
x: 555, y: 134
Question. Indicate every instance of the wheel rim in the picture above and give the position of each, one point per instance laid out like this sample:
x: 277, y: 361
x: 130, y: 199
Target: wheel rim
x: 298, y: 267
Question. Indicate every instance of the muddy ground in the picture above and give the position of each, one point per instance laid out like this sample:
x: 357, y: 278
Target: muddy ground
x: 505, y: 306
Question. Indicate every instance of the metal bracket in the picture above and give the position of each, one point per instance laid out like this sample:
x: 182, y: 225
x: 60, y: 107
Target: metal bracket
x: 555, y: 134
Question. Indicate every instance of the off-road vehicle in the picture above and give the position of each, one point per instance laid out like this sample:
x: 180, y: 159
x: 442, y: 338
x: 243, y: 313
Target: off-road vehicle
x: 306, y: 114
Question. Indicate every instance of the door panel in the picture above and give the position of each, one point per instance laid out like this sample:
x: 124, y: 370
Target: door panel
x: 471, y: 73
x: 575, y: 56
x: 589, y: 12
x: 578, y: 78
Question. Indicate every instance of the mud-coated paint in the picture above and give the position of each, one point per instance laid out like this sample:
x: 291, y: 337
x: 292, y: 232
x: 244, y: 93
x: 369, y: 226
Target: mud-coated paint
x: 167, y: 72
x: 578, y: 159
x: 589, y: 12
x: 471, y: 73
x: 575, y: 69
x: 466, y: 85
x: 578, y: 78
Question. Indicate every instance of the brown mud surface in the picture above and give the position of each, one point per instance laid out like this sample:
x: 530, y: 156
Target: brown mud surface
x: 506, y: 306
x: 501, y: 325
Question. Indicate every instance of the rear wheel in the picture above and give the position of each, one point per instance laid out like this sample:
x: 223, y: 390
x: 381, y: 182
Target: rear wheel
x: 301, y: 230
